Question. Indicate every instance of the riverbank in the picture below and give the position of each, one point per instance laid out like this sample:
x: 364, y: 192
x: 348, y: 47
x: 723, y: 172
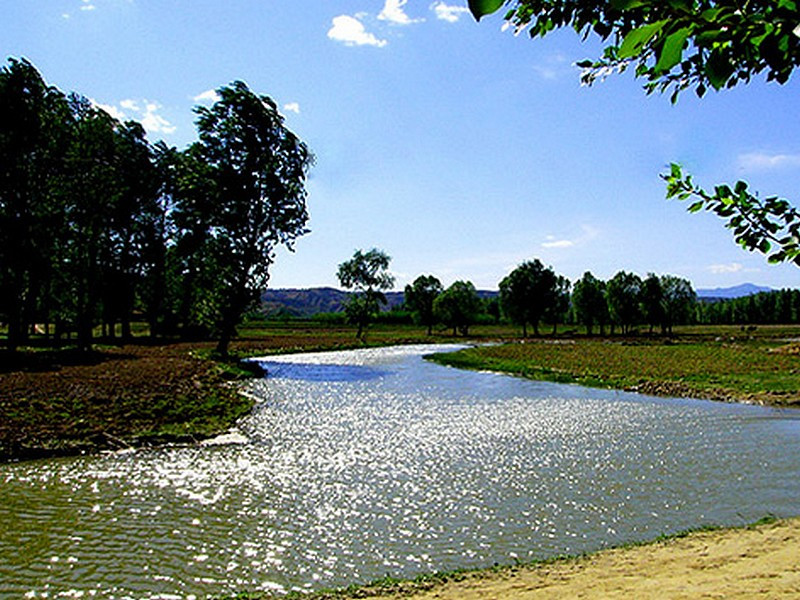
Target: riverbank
x: 60, y: 401
x: 754, y: 561
x: 761, y: 370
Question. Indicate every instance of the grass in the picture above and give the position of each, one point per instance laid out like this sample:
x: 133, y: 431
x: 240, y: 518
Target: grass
x: 763, y: 369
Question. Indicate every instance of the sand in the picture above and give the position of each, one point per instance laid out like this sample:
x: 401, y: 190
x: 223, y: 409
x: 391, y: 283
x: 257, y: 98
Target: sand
x: 762, y: 561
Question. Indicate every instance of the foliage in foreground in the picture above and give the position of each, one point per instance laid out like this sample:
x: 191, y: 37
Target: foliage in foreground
x: 683, y: 44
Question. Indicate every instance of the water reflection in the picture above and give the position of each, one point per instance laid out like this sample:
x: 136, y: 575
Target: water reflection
x: 318, y: 372
x: 345, y: 476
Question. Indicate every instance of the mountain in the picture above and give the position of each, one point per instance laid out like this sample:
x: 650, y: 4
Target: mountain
x: 307, y: 302
x: 744, y: 289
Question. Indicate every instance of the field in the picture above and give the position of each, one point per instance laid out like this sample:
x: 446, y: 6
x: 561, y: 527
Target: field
x: 760, y: 366
x: 61, y: 401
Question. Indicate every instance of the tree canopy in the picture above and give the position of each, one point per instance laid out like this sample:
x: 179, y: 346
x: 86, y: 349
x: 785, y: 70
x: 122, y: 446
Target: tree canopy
x: 419, y: 297
x: 368, y: 276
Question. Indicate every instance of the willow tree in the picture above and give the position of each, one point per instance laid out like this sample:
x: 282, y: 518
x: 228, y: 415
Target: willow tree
x: 252, y: 176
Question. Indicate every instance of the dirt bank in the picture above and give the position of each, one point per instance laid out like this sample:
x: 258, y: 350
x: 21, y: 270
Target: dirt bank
x: 760, y: 561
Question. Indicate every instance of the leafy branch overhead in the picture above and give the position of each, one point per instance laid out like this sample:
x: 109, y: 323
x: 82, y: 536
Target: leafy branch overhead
x: 680, y: 44
x: 674, y: 44
x: 771, y: 225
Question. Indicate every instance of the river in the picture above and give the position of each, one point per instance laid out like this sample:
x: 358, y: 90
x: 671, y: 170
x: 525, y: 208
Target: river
x: 364, y: 463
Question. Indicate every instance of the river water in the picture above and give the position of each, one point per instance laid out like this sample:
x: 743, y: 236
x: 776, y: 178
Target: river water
x: 364, y: 463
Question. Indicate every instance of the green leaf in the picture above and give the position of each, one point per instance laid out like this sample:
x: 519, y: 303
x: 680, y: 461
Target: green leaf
x: 672, y: 50
x: 627, y: 4
x: 481, y: 8
x: 638, y: 38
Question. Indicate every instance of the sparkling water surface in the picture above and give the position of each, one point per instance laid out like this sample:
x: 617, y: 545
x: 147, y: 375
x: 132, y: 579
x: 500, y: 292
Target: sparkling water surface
x: 364, y: 463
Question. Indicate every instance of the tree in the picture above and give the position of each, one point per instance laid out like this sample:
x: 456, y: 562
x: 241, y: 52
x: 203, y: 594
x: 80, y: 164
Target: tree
x: 252, y: 172
x: 34, y: 126
x: 589, y: 302
x: 558, y: 310
x: 527, y: 293
x: 681, y: 44
x: 652, y: 301
x: 678, y: 299
x: 623, y: 293
x: 367, y: 275
x: 458, y: 307
x: 419, y: 297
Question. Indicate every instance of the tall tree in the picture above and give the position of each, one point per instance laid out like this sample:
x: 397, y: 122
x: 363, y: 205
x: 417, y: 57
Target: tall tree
x: 678, y: 299
x: 589, y: 302
x: 623, y: 293
x: 682, y: 44
x: 91, y: 190
x: 652, y: 301
x: 558, y: 310
x: 527, y: 293
x: 254, y: 172
x: 34, y: 125
x: 419, y: 297
x: 458, y: 306
x: 367, y: 275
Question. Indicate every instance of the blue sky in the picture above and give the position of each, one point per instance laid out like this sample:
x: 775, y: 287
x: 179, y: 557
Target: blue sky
x: 456, y: 147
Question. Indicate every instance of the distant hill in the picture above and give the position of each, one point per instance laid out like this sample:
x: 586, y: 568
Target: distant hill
x: 745, y: 289
x: 310, y: 301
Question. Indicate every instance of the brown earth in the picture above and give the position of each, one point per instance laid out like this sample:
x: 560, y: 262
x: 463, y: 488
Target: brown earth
x: 756, y: 562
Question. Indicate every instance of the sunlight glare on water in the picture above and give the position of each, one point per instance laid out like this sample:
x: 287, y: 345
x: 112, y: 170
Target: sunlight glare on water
x: 361, y: 463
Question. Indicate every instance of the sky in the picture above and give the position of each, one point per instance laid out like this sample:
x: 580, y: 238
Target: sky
x: 456, y: 147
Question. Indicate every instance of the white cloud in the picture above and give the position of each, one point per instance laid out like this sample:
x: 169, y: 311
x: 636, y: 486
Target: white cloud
x: 762, y: 161
x: 129, y: 105
x: 144, y: 111
x: 587, y: 234
x: 153, y: 122
x: 350, y: 31
x: 110, y: 109
x: 449, y: 13
x: 209, y: 96
x: 292, y: 107
x: 394, y: 13
x: 554, y: 243
x: 726, y: 268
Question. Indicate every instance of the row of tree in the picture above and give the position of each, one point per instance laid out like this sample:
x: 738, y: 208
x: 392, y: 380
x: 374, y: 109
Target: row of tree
x: 97, y: 223
x: 530, y: 295
x: 766, y: 308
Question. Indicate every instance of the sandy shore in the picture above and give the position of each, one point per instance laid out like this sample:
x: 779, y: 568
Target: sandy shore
x: 761, y: 561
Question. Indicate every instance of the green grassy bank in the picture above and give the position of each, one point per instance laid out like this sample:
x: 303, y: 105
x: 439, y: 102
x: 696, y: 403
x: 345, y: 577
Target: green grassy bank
x: 722, y: 364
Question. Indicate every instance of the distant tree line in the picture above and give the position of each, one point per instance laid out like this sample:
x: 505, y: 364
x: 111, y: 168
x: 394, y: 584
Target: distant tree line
x: 98, y: 225
x: 779, y: 307
x: 533, y: 295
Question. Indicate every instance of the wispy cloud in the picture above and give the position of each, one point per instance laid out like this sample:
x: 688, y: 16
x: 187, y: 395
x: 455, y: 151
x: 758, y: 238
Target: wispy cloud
x: 734, y: 267
x: 292, y: 107
x: 448, y: 12
x: 144, y: 111
x: 763, y: 161
x: 587, y: 233
x: 351, y: 32
x: 394, y: 13
x: 552, y: 242
x: 553, y: 66
x: 209, y: 96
